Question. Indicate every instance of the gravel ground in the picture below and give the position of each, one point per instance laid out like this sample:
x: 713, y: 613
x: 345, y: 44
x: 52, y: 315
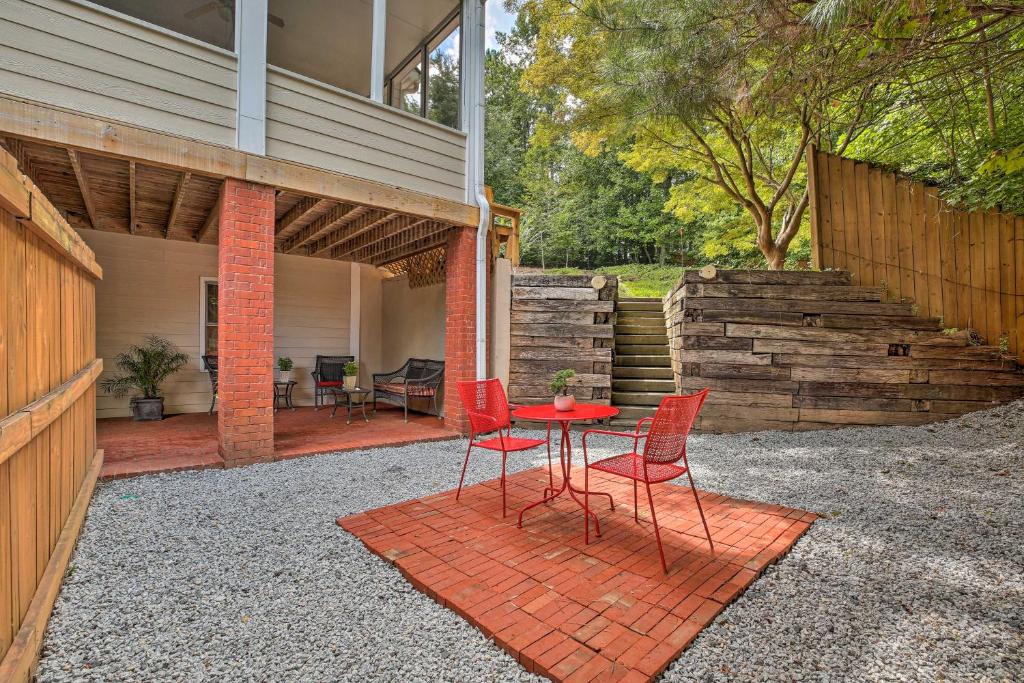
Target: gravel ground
x: 915, y: 571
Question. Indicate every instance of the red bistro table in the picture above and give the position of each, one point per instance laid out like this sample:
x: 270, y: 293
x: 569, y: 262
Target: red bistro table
x: 547, y: 413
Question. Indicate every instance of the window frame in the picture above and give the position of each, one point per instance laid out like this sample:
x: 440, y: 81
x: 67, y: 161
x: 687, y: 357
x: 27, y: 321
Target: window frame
x: 422, y: 53
x: 204, y: 323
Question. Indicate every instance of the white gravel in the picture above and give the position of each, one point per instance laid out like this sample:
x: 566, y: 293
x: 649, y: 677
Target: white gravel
x: 916, y: 571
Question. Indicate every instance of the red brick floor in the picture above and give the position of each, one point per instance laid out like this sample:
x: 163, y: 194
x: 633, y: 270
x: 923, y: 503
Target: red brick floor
x: 572, y: 612
x: 189, y: 441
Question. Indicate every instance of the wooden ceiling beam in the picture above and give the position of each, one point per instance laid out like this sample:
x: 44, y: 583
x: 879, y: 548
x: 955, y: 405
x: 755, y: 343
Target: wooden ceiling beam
x: 367, y: 221
x: 133, y: 222
x: 179, y: 196
x: 211, y: 220
x: 302, y: 208
x: 411, y: 249
x: 341, y: 213
x: 399, y: 240
x: 83, y: 187
x: 401, y: 224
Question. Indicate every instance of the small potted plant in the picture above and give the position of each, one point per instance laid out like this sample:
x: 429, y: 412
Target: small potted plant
x: 564, y: 401
x: 284, y: 369
x: 351, y: 374
x: 145, y: 368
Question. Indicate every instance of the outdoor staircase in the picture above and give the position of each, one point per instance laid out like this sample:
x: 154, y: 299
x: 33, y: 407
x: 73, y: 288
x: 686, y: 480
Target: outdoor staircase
x: 642, y: 372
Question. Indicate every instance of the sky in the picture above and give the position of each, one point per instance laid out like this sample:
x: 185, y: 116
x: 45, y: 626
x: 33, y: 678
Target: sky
x: 497, y: 20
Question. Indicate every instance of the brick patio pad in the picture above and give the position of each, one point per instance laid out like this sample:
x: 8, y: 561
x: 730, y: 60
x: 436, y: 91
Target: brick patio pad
x: 574, y: 612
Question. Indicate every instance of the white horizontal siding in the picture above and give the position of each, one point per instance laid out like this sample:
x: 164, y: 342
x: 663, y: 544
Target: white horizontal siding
x: 151, y: 286
x: 328, y: 128
x: 80, y: 58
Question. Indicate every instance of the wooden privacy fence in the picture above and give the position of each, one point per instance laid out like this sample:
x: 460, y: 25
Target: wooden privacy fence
x: 965, y: 267
x: 48, y: 370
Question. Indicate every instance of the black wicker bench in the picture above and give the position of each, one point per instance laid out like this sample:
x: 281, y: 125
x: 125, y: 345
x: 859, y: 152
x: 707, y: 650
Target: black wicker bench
x: 419, y: 378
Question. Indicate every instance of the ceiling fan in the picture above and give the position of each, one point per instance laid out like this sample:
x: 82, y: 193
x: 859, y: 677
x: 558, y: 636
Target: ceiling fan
x: 226, y: 9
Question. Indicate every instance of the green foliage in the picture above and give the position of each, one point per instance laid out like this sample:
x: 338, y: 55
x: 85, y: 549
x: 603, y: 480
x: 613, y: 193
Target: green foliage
x: 560, y: 382
x: 639, y: 280
x: 145, y: 368
x: 351, y: 368
x: 284, y: 364
x: 443, y: 89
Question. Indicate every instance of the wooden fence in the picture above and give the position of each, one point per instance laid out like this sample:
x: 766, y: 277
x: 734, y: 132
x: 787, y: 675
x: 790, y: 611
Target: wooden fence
x: 965, y: 267
x: 48, y: 369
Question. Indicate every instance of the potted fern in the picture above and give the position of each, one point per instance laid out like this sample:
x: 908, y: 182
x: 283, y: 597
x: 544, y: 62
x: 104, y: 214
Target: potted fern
x: 284, y: 369
x: 564, y: 401
x: 145, y: 368
x: 351, y: 374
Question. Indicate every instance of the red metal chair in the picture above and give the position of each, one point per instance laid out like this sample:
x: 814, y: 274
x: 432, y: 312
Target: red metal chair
x: 664, y: 447
x: 489, y: 411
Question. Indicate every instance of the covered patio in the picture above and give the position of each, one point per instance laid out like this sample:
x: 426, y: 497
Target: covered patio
x: 251, y: 273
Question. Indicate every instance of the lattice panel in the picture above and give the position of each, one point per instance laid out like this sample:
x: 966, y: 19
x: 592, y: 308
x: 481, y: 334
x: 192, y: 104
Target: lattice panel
x: 423, y: 269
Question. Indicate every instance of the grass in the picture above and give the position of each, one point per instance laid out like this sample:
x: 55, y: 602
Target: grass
x: 638, y: 280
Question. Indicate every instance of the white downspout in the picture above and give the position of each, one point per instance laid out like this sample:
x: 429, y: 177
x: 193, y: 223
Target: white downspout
x: 473, y: 109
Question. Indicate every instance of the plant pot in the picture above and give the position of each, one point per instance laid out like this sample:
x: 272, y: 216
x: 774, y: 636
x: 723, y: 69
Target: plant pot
x: 565, y: 403
x: 351, y: 381
x: 284, y: 375
x: 147, y: 409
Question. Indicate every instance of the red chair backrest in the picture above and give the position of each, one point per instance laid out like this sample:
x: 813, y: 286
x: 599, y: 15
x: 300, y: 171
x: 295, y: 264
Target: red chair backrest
x: 666, y: 439
x: 485, y: 404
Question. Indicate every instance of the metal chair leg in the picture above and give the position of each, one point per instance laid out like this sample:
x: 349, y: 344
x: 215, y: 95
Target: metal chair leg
x: 701, y: 511
x: 213, y: 402
x: 657, y: 532
x: 636, y: 512
x: 504, y: 455
x: 464, y: 465
x: 586, y: 505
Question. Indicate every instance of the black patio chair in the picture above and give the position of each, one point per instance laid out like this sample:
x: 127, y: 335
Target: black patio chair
x: 418, y: 378
x: 210, y: 363
x: 328, y: 373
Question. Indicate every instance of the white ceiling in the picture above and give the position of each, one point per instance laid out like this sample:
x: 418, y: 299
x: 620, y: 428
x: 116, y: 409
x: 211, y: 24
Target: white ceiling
x: 329, y: 40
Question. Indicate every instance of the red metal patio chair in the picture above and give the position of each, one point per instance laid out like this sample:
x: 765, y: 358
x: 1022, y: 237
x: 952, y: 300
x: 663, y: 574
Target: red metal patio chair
x: 489, y: 411
x: 664, y: 447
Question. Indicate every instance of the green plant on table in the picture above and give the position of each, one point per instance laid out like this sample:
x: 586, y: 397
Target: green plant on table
x: 284, y: 364
x: 145, y: 367
x: 351, y: 368
x: 560, y: 382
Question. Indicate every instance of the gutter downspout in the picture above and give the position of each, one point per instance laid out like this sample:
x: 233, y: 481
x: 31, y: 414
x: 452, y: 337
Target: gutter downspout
x: 474, y: 12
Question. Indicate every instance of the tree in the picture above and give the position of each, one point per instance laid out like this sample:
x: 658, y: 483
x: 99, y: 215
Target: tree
x: 723, y: 94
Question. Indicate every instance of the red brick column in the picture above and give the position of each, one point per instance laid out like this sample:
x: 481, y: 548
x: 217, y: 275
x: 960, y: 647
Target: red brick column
x: 460, y: 322
x: 245, y: 323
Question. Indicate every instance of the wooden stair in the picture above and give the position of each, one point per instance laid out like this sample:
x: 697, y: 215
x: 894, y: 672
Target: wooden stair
x: 642, y: 371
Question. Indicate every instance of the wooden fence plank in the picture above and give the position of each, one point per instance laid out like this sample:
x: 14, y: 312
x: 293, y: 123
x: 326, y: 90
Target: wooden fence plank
x: 836, y: 208
x: 905, y: 231
x: 948, y: 310
x: 825, y: 211
x: 977, y: 250
x: 892, y: 274
x: 854, y: 258
x: 876, y: 222
x: 919, y: 229
x: 993, y: 314
x: 932, y: 264
x: 964, y: 261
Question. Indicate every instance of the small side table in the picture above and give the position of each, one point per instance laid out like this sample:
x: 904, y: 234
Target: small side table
x: 283, y: 392
x: 354, y: 396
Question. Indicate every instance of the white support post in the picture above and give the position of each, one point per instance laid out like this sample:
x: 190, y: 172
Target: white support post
x: 380, y: 19
x: 355, y: 309
x: 473, y: 45
x: 251, y: 45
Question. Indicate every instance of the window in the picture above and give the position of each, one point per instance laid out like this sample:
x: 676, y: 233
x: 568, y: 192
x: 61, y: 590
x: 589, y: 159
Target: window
x: 210, y: 21
x: 431, y: 91
x: 326, y: 40
x: 208, y: 316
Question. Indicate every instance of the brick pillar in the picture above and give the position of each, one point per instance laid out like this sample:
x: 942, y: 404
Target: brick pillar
x: 245, y: 323
x: 460, y: 322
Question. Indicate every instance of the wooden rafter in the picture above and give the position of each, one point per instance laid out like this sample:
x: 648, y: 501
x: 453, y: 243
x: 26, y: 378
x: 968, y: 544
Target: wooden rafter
x: 419, y: 246
x: 398, y: 241
x: 83, y: 187
x: 336, y: 215
x: 367, y: 221
x: 366, y: 239
x: 179, y: 196
x: 297, y: 213
x: 132, y: 216
x: 211, y: 220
